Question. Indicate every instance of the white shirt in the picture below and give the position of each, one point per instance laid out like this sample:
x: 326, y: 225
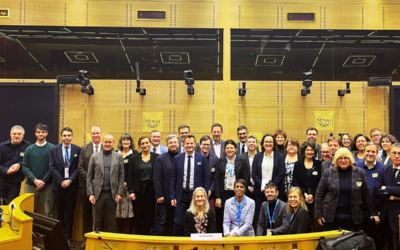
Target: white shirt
x: 183, y: 149
x: 240, y: 147
x: 41, y: 145
x: 217, y: 148
x: 191, y: 184
x: 158, y: 148
x: 394, y: 169
x: 94, y: 147
x: 251, y: 159
x: 267, y: 167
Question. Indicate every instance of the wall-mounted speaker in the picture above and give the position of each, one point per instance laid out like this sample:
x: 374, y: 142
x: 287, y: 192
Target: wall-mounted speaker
x: 380, y: 81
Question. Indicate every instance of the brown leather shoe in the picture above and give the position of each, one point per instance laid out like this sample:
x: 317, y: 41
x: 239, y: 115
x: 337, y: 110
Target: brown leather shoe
x: 83, y: 245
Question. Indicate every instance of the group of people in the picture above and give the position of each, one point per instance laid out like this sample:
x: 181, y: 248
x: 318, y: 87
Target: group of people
x: 211, y: 185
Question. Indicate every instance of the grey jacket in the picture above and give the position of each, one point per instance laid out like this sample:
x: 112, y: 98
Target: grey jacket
x: 95, y: 177
x: 281, y: 219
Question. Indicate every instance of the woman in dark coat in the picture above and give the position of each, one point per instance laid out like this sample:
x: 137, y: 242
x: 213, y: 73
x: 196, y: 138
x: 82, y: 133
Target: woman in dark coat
x: 140, y: 186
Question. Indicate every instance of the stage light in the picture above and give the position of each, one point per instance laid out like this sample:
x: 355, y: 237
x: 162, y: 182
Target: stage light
x: 139, y: 86
x: 343, y: 92
x: 82, y: 78
x: 242, y: 91
x: 189, y: 81
x: 307, y: 83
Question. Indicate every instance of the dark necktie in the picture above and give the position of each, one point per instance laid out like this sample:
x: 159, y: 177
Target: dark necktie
x: 154, y: 150
x: 97, y: 149
x: 188, y: 173
x: 243, y: 149
x: 395, y: 173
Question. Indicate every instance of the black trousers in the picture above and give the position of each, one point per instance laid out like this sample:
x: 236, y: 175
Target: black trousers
x: 144, y: 209
x: 180, y: 211
x: 164, y: 217
x: 87, y: 208
x: 392, y: 238
x: 106, y: 201
x: 343, y: 221
x: 9, y: 190
x: 65, y: 201
x: 374, y: 231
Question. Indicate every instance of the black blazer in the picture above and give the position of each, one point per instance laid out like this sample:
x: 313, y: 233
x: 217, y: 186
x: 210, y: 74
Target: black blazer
x: 135, y: 163
x: 126, y: 165
x: 162, y: 177
x: 212, y: 162
x: 222, y: 153
x: 189, y: 223
x: 300, y: 223
x: 241, y: 172
x: 301, y: 180
x: 278, y: 173
x: 245, y: 157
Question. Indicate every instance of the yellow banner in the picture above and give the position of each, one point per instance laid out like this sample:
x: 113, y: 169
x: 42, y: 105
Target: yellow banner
x: 324, y: 120
x: 152, y: 121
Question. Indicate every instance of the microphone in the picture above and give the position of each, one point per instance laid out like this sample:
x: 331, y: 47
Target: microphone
x: 137, y: 69
x: 104, y: 242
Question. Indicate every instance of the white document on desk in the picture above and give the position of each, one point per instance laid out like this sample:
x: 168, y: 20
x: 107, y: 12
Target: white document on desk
x: 206, y: 237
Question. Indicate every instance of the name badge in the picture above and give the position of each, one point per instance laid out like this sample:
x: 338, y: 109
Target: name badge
x: 126, y: 160
x: 213, y: 170
x: 66, y: 173
x: 199, y: 163
x: 359, y: 183
x: 75, y: 155
x: 315, y: 173
x: 21, y: 154
x: 374, y: 175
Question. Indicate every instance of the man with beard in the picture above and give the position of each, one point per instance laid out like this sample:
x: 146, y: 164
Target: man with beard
x: 37, y: 172
x: 274, y: 219
x: 11, y: 157
x: 63, y: 166
x: 162, y: 181
x: 312, y: 135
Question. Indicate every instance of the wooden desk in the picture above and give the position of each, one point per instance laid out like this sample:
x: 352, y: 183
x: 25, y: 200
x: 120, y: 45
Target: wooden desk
x: 137, y: 242
x: 20, y: 238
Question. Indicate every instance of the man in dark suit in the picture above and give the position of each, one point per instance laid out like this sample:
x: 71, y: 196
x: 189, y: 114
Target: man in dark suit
x: 241, y: 146
x: 162, y: 183
x: 248, y: 158
x: 218, y: 145
x: 86, y: 152
x: 183, y: 131
x: 334, y: 144
x: 387, y: 188
x: 105, y: 183
x: 190, y: 170
x: 63, y: 166
x: 205, y: 148
x: 312, y: 135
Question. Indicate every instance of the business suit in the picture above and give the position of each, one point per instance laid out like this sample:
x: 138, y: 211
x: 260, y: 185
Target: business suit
x: 143, y: 205
x: 325, y: 165
x: 184, y: 197
x: 280, y: 221
x: 83, y: 165
x: 163, y: 149
x: 65, y: 198
x: 389, y: 209
x: 239, y: 149
x: 222, y: 151
x: 162, y: 183
x: 245, y: 228
x: 245, y: 157
x: 319, y: 152
x: 196, y: 148
x: 212, y: 161
x: 328, y: 191
x: 300, y: 223
x: 278, y: 175
x: 94, y: 183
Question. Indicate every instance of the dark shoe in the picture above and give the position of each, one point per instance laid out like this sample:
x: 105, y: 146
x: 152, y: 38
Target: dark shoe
x: 70, y: 244
x: 83, y: 245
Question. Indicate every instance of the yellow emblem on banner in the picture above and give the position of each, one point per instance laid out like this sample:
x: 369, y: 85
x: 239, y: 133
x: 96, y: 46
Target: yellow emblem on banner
x: 152, y: 121
x: 324, y: 120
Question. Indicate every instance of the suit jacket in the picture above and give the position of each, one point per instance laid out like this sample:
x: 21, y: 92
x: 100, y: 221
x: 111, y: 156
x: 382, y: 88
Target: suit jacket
x: 189, y: 223
x: 246, y: 218
x: 241, y: 172
x: 319, y: 151
x: 281, y: 219
x: 196, y: 148
x: 325, y: 165
x: 222, y: 152
x: 300, y: 223
x: 388, y: 207
x: 278, y: 173
x: 245, y: 157
x: 95, y: 174
x: 328, y: 191
x: 239, y: 150
x: 83, y: 163
x: 301, y: 180
x: 212, y: 162
x: 57, y: 166
x: 135, y: 164
x: 162, y: 177
x: 201, y: 171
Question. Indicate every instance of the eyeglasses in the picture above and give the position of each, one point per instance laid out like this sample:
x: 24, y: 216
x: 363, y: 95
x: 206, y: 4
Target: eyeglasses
x: 343, y: 159
x: 377, y: 135
x: 241, y: 134
x: 268, y: 142
x: 395, y: 153
x: 324, y: 152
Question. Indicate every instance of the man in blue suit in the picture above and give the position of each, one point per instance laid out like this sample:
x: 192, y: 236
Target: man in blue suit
x: 387, y: 187
x: 156, y: 146
x: 162, y: 183
x: 63, y: 166
x: 189, y: 171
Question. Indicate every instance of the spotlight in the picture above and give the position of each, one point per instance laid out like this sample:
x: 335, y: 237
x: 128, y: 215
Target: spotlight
x: 82, y: 78
x: 307, y: 83
x: 139, y: 86
x: 343, y: 92
x: 189, y: 81
x: 242, y: 91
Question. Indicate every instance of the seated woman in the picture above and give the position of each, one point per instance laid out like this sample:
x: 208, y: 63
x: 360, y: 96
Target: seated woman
x: 340, y: 192
x: 199, y: 218
x: 296, y: 206
x: 239, y: 213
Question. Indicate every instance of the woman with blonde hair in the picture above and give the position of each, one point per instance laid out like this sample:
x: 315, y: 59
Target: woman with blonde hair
x: 199, y: 218
x: 296, y: 206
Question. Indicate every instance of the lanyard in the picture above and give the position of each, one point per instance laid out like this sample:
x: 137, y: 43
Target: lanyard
x: 291, y: 218
x: 231, y: 165
x: 67, y: 156
x: 239, y: 211
x: 271, y: 219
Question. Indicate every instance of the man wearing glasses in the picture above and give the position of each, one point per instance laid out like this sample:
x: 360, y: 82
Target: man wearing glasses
x: 334, y: 144
x: 387, y: 188
x: 312, y: 135
x: 241, y: 146
x: 376, y: 136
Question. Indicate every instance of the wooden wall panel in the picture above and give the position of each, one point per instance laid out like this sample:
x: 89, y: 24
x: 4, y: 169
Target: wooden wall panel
x: 391, y: 17
x: 107, y: 13
x: 194, y: 15
x: 16, y: 13
x: 255, y: 15
x: 344, y: 16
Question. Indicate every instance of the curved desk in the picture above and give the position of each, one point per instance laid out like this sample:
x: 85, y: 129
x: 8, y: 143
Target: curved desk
x: 19, y: 236
x: 284, y: 242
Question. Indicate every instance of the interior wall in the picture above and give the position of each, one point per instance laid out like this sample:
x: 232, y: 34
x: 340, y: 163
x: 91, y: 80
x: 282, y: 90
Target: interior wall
x: 267, y: 106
